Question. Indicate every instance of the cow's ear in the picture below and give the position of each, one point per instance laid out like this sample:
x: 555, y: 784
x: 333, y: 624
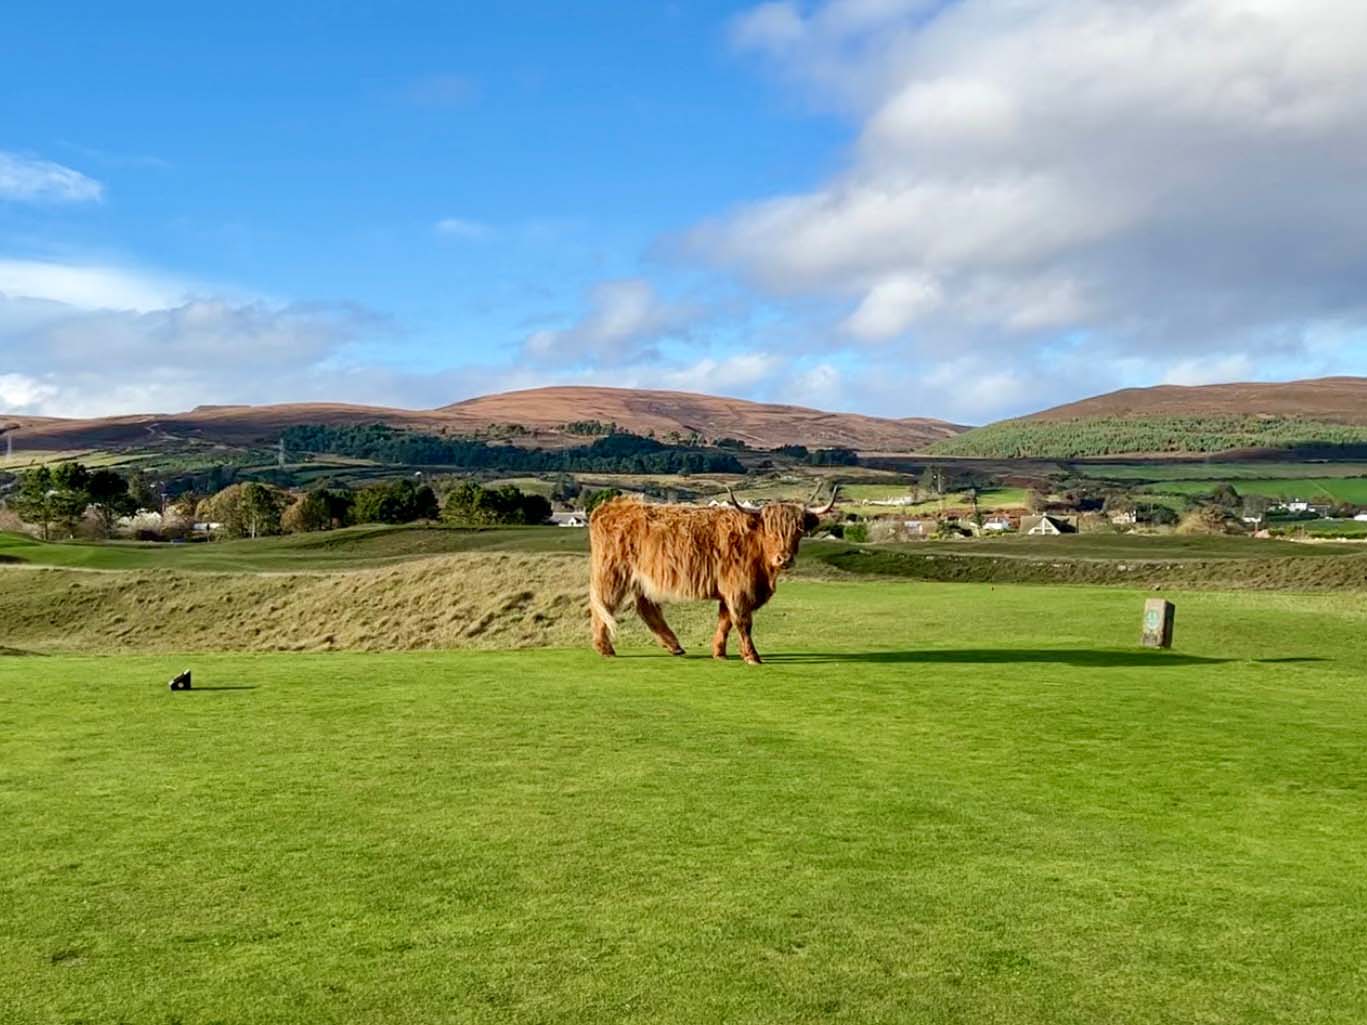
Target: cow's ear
x: 810, y: 521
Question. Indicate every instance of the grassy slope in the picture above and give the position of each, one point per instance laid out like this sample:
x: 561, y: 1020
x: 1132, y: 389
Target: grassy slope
x: 352, y: 548
x: 935, y: 804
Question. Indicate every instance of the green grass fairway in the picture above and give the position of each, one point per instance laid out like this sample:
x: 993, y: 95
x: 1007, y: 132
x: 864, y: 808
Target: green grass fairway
x: 935, y: 804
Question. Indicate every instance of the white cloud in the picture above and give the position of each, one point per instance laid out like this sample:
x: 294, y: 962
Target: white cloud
x: 893, y: 305
x: 773, y: 27
x: 88, y: 339
x: 88, y: 286
x: 732, y: 375
x: 460, y: 227
x: 1179, y: 178
x: 20, y: 393
x: 625, y: 320
x: 1210, y: 370
x: 29, y: 179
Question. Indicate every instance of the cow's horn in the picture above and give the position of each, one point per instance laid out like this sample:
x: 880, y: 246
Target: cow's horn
x: 731, y: 496
x: 824, y: 509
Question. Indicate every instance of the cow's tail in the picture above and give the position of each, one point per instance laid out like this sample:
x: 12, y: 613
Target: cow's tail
x: 600, y: 610
x: 597, y: 574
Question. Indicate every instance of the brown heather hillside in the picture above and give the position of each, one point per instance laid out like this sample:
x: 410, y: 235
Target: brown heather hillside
x: 542, y: 409
x: 758, y: 424
x: 1327, y: 400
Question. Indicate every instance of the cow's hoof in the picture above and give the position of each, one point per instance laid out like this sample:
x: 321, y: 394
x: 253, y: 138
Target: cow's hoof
x: 720, y: 656
x: 607, y: 654
x: 677, y: 652
x: 756, y: 661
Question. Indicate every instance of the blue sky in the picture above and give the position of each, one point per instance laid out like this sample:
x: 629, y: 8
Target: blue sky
x: 898, y: 206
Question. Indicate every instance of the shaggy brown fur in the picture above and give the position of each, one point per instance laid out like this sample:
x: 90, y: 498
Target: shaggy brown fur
x: 657, y: 553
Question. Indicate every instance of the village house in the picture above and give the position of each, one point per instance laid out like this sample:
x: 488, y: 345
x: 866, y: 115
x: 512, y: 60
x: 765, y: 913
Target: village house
x: 576, y: 518
x: 1046, y: 526
x: 1301, y: 505
x: 918, y: 528
x: 1124, y: 518
x: 997, y: 524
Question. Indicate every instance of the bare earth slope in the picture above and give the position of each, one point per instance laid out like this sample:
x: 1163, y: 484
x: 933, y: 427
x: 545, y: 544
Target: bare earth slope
x: 1327, y: 399
x: 541, y: 409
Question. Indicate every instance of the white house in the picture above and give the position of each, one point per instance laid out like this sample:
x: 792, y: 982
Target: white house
x: 898, y: 500
x: 997, y: 523
x: 1361, y: 517
x: 1046, y: 526
x: 577, y: 518
x: 143, y: 519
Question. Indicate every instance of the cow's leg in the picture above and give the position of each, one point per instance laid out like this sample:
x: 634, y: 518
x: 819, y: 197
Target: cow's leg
x: 653, y: 616
x: 723, y: 630
x: 740, y: 616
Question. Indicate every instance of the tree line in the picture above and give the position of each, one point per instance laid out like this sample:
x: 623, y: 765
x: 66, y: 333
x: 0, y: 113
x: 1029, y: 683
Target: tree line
x: 611, y: 453
x: 59, y: 499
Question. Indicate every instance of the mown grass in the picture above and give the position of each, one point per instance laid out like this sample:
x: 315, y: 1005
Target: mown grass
x: 935, y: 804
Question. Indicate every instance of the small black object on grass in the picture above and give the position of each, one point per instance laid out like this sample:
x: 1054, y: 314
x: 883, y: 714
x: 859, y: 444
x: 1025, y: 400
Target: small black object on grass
x: 181, y: 681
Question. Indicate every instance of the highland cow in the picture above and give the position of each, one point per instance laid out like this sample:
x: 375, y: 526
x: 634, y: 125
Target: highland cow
x: 655, y: 553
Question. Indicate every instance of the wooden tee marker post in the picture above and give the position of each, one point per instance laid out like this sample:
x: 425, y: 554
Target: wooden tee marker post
x: 1158, y: 617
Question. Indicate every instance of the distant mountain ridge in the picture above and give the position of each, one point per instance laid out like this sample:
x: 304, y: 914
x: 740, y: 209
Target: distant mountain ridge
x: 1321, y: 416
x: 1325, y: 399
x: 542, y: 411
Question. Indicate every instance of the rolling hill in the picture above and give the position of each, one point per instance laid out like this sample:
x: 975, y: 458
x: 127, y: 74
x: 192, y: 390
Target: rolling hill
x: 1323, y: 417
x: 541, y: 411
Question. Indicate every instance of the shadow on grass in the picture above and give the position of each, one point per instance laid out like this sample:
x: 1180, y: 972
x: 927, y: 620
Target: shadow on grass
x: 1091, y: 658
x: 196, y: 689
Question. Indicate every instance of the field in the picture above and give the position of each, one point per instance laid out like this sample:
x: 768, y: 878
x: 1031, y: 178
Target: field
x: 353, y: 548
x: 24, y: 458
x: 1352, y: 490
x: 936, y: 803
x: 405, y: 588
x: 1200, y: 469
x: 1347, y: 529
